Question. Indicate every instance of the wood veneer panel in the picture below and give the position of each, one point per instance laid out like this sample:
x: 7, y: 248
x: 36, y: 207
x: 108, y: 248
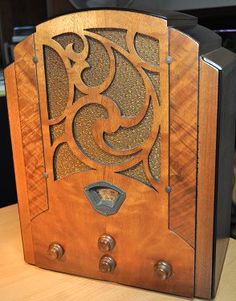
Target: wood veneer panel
x: 30, y: 126
x: 208, y: 104
x: 19, y: 162
x: 143, y: 216
x: 183, y: 134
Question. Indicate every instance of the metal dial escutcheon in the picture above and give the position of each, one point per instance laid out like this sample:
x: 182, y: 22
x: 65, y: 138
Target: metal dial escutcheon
x: 107, y: 264
x: 55, y: 251
x: 163, y: 270
x: 106, y: 243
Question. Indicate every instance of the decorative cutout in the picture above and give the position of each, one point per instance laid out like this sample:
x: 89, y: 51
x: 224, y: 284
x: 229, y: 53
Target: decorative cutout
x: 154, y: 159
x: 105, y: 197
x: 155, y: 80
x: 129, y: 138
x: 84, y: 123
x: 127, y: 89
x: 103, y: 88
x: 66, y: 39
x: 147, y: 48
x: 118, y: 36
x: 66, y: 163
x: 57, y: 130
x: 77, y: 94
x: 137, y: 172
x: 57, y: 86
x: 98, y: 64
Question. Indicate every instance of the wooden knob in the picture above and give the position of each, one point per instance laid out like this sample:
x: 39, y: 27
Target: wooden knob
x: 107, y: 264
x: 163, y: 270
x: 55, y: 251
x: 106, y: 243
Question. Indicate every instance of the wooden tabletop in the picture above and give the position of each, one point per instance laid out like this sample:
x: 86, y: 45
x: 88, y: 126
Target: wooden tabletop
x: 22, y: 282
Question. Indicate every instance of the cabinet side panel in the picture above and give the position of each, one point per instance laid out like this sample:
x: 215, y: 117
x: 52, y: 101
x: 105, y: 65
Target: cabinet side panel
x: 225, y: 61
x: 19, y: 163
x: 208, y: 103
x: 225, y: 154
x: 26, y: 79
x: 183, y: 134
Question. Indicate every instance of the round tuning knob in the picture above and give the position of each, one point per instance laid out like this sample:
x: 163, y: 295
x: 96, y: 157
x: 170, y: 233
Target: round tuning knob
x: 163, y: 270
x: 106, y: 243
x: 107, y: 264
x: 55, y: 251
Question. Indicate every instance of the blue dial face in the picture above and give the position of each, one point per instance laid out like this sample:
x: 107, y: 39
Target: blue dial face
x: 105, y: 197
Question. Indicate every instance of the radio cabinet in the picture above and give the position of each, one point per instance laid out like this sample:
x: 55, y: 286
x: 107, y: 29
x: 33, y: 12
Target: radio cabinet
x: 123, y: 128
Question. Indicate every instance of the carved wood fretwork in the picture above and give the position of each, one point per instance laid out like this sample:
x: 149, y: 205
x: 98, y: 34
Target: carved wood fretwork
x: 114, y: 75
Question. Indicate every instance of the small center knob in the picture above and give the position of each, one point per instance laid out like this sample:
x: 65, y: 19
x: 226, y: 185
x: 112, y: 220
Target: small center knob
x: 163, y: 270
x: 55, y: 251
x: 106, y: 243
x: 107, y: 264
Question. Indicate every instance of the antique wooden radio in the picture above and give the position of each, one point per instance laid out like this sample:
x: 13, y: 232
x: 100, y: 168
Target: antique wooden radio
x: 122, y: 125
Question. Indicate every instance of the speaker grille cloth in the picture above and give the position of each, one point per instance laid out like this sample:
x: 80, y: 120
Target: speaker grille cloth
x: 127, y: 90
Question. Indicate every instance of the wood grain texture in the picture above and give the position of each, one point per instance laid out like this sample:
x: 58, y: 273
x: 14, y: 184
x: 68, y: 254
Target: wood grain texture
x: 94, y: 19
x: 140, y: 228
x: 30, y: 126
x: 21, y: 281
x: 183, y: 134
x: 208, y: 104
x: 19, y: 162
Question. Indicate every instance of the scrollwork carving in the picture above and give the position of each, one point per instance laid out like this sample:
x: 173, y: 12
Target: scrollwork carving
x: 112, y: 110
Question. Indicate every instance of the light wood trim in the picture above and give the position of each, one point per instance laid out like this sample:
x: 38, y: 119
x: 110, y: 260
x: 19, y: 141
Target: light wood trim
x: 183, y: 134
x: 70, y: 229
x: 137, y: 218
x: 29, y: 112
x: 206, y: 178
x: 19, y: 164
x: 41, y: 284
x: 77, y: 22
